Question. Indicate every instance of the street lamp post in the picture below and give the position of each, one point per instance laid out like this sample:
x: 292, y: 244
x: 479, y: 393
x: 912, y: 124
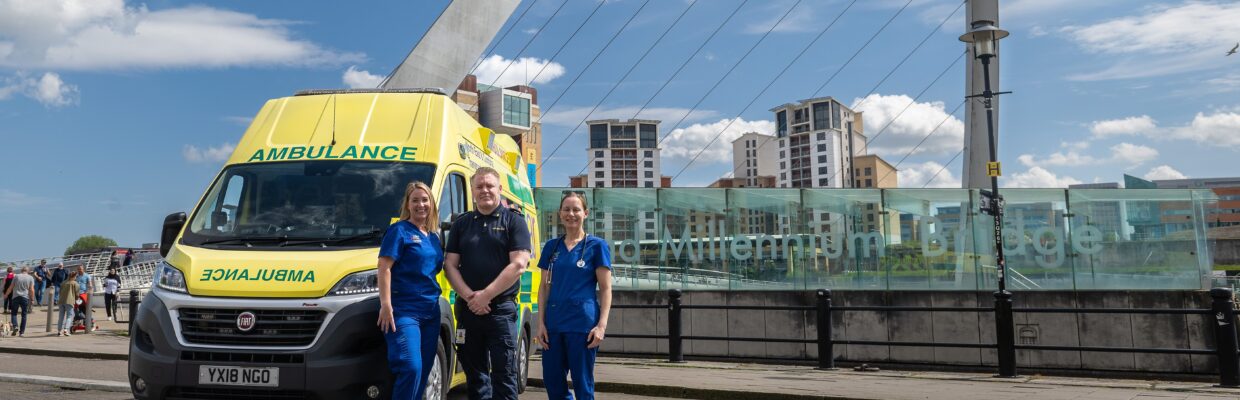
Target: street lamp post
x: 984, y: 37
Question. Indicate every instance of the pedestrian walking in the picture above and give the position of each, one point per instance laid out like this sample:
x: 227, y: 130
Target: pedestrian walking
x: 8, y: 282
x: 111, y: 285
x: 59, y: 274
x: 574, y: 300
x: 409, y: 259
x: 19, y: 294
x: 487, y: 251
x: 84, y: 280
x: 67, y: 293
x: 40, y: 281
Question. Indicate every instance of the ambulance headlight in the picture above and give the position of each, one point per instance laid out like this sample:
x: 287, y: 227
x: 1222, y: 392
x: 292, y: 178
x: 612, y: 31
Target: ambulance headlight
x: 169, y: 278
x: 357, y: 283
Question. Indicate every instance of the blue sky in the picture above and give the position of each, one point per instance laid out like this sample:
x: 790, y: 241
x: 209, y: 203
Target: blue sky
x: 115, y: 113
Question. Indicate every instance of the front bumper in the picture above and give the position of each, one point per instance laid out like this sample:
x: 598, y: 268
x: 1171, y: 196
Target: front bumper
x: 346, y: 358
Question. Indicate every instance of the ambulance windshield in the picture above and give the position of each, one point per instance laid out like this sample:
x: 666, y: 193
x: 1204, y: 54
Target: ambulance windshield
x: 315, y: 204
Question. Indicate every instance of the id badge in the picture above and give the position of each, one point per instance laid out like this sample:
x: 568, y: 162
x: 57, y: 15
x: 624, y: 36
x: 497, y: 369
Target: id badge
x: 460, y: 336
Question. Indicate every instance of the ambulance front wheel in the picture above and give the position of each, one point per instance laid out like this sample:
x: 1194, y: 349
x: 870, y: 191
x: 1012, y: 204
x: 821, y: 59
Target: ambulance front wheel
x: 437, y: 382
x: 523, y: 360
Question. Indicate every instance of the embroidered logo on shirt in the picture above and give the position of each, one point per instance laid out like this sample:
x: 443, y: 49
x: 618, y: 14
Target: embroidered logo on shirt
x: 415, y: 239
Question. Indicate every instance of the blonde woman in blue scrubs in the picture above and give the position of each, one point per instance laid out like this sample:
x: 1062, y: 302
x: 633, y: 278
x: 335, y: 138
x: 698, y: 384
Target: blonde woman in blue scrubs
x: 409, y: 259
x: 574, y: 299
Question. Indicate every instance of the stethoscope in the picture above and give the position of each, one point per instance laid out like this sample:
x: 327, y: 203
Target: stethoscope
x: 581, y: 256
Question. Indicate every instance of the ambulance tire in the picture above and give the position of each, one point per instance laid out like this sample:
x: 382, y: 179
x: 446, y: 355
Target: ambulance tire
x: 523, y: 368
x: 440, y: 380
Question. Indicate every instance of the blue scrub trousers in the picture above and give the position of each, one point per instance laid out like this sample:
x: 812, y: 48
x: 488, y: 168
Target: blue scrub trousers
x: 411, y: 352
x: 569, y: 354
x: 489, y: 354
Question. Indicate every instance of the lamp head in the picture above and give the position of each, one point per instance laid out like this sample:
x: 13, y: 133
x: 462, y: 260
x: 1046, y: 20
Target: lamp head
x: 985, y: 37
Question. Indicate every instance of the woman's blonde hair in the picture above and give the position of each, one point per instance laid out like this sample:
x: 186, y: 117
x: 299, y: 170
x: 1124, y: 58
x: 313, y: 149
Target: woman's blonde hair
x: 432, y: 212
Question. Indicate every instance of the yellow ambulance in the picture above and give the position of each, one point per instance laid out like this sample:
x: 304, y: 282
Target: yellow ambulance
x: 269, y: 287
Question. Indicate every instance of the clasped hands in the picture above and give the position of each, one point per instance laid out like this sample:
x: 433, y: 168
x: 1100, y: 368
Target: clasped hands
x: 479, y: 301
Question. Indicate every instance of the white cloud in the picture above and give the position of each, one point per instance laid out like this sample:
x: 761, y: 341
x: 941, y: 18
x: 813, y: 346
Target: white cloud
x: 517, y: 72
x: 1163, y: 172
x: 1125, y: 126
x: 1127, y: 154
x: 107, y: 34
x: 1162, y: 40
x: 1221, y: 128
x: 529, y: 31
x: 913, y: 125
x: 360, y: 79
x: 685, y: 143
x: 9, y: 198
x: 1132, y: 154
x: 916, y: 175
x: 194, y: 154
x: 1037, y: 177
x: 572, y: 116
x: 47, y: 89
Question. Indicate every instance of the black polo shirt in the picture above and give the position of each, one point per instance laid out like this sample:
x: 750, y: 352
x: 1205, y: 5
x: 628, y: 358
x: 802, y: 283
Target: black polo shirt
x: 483, y: 242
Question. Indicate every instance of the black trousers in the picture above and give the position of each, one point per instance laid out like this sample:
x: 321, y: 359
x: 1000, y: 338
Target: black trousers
x: 489, y: 354
x: 109, y: 303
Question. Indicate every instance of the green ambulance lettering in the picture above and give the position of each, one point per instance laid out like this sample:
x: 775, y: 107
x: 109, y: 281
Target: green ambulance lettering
x: 206, y: 275
x: 296, y: 153
x: 277, y: 154
x: 310, y: 154
x: 281, y: 275
x: 231, y: 275
x: 349, y: 152
x: 329, y: 153
x: 309, y: 277
x: 407, y: 153
x: 258, y: 156
x: 370, y: 152
x: 385, y: 152
x: 295, y: 275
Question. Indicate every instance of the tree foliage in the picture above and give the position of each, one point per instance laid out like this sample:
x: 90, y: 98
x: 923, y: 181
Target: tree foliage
x: 89, y: 242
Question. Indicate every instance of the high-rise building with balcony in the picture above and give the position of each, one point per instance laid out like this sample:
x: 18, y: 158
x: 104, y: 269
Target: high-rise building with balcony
x: 623, y: 154
x: 512, y: 111
x: 816, y: 140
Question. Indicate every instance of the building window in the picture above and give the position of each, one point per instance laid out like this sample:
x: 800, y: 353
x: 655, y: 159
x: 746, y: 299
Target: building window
x: 783, y: 165
x: 781, y: 154
x: 858, y: 183
x: 822, y: 147
x: 649, y: 164
x: 869, y: 182
x: 649, y: 214
x: 869, y: 217
x: 824, y: 182
x: 649, y: 224
x: 822, y: 159
x: 869, y: 207
x: 599, y: 153
x: 649, y: 137
x: 821, y: 110
x: 598, y: 184
x: 781, y: 124
x: 857, y: 171
x: 835, y: 115
x: 598, y: 164
x: 783, y: 176
x: 516, y: 111
x: 649, y: 154
x: 822, y: 171
x: 868, y: 171
x: 650, y: 174
x: 822, y: 136
x: 649, y: 184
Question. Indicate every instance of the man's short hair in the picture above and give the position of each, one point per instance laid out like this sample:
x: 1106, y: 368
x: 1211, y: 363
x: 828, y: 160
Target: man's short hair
x: 484, y: 171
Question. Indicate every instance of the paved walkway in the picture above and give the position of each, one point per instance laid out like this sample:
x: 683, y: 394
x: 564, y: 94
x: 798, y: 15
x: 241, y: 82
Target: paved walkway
x: 741, y: 381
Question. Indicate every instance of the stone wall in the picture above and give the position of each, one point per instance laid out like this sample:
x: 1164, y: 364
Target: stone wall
x: 1106, y: 330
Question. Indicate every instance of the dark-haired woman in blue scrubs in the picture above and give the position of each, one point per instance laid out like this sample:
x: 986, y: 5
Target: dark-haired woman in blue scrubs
x: 409, y: 259
x: 574, y: 299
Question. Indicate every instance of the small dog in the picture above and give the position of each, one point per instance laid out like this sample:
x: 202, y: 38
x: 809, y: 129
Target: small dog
x: 6, y: 329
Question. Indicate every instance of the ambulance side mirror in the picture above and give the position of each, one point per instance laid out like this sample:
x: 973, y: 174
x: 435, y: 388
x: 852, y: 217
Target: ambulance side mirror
x: 172, y: 226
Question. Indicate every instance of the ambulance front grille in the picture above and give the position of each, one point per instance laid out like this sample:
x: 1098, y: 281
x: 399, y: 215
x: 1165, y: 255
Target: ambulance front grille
x: 218, y: 326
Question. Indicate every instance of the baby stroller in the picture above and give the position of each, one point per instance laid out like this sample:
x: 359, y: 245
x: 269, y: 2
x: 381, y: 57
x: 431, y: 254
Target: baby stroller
x: 79, y: 314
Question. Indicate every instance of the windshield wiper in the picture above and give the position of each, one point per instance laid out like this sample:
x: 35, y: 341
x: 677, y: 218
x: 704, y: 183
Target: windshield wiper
x: 374, y: 233
x: 246, y: 240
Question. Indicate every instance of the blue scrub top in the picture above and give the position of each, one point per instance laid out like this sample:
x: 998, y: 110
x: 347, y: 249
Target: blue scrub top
x: 573, y: 299
x: 419, y: 258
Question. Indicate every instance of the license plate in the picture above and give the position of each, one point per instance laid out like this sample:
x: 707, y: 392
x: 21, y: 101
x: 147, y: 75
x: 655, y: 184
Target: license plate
x: 238, y: 376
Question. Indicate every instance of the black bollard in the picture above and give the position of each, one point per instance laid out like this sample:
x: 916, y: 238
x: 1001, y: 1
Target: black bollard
x: 826, y: 348
x: 133, y: 307
x: 675, y: 351
x: 1005, y: 334
x: 1224, y: 316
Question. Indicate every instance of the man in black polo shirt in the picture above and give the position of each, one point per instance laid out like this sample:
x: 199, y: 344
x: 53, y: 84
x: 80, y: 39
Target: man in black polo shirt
x: 487, y: 251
